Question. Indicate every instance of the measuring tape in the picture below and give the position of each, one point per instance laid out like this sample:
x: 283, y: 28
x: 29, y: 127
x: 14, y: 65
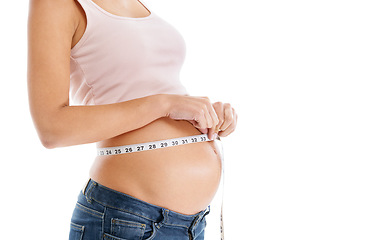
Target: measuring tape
x: 140, y: 147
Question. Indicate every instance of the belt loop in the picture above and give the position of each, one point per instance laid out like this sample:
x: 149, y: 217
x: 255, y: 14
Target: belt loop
x: 207, y: 210
x: 196, y: 220
x: 165, y: 215
x: 89, y: 189
x: 85, y: 186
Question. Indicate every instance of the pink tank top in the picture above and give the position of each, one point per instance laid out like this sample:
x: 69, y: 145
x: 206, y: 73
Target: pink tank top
x: 122, y: 58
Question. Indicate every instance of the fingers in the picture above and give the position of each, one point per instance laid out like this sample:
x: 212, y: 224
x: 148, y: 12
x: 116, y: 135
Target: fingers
x: 214, y: 122
x: 211, y: 117
x: 197, y: 110
x: 227, y: 118
x: 231, y: 127
x: 219, y: 110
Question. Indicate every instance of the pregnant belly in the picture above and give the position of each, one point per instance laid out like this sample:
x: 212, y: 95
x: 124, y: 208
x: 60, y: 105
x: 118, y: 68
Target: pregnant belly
x: 182, y: 178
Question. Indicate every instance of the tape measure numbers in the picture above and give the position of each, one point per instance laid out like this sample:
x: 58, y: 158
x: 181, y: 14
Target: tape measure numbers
x: 140, y: 147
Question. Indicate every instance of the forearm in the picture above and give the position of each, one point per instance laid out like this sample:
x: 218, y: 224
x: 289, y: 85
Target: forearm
x: 73, y: 125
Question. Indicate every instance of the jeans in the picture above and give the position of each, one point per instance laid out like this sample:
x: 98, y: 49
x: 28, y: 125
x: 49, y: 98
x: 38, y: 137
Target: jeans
x: 105, y: 214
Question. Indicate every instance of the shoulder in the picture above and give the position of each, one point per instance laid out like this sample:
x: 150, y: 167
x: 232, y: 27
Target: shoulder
x: 53, y: 5
x: 54, y: 10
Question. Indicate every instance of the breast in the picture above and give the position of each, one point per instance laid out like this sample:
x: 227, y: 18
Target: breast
x: 183, y: 178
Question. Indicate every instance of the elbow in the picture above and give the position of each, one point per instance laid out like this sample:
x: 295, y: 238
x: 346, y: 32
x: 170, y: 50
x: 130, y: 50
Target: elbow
x: 55, y: 138
x: 48, y: 140
x: 50, y: 137
x: 47, y: 143
x: 49, y: 129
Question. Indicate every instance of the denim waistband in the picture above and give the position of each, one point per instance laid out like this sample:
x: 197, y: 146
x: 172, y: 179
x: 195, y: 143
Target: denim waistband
x: 123, y: 202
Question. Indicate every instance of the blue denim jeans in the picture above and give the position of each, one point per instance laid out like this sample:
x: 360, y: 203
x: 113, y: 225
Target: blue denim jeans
x: 105, y: 214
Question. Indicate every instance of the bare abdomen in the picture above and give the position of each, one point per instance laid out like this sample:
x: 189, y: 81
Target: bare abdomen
x: 182, y: 178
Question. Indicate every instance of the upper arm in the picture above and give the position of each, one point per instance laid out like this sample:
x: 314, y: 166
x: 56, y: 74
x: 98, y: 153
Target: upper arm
x: 51, y: 26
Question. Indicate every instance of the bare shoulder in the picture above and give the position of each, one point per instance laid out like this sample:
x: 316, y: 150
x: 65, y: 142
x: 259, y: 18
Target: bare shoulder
x: 55, y: 6
x: 54, y: 12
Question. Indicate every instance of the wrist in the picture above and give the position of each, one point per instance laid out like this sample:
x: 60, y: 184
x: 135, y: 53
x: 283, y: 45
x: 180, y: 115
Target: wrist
x: 162, y: 104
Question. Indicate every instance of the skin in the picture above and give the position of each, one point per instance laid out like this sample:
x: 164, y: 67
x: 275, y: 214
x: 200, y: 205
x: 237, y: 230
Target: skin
x: 183, y: 178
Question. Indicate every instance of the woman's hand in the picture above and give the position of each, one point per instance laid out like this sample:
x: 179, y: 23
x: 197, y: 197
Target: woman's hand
x: 227, y: 119
x: 197, y: 110
x: 213, y: 119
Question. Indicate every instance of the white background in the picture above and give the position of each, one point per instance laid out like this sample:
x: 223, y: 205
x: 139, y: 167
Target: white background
x: 298, y: 74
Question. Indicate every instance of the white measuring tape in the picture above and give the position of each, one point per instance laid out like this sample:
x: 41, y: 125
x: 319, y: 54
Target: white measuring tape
x: 140, y: 147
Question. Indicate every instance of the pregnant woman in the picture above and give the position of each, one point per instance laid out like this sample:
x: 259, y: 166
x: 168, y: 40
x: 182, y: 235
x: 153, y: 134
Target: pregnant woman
x: 119, y: 63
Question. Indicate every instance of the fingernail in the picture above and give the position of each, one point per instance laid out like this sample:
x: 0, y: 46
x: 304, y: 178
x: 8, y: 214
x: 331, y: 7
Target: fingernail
x: 214, y: 136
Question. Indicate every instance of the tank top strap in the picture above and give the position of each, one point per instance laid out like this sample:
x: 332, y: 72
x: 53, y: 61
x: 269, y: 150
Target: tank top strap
x: 145, y: 5
x: 87, y: 5
x: 91, y: 8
